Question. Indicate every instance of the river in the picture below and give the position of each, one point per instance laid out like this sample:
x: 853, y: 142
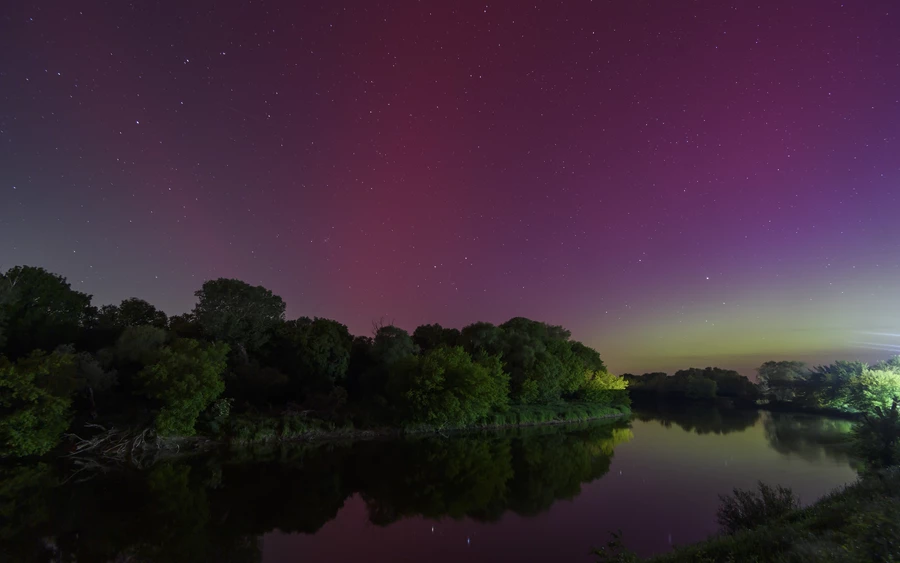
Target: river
x: 531, y: 494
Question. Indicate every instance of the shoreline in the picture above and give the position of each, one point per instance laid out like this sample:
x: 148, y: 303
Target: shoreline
x: 190, y: 445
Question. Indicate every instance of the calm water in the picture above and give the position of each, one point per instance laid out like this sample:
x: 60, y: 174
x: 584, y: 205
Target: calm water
x: 537, y: 494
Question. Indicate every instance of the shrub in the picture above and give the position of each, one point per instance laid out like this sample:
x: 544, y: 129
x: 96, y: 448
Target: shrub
x: 747, y: 509
x: 602, y: 387
x: 186, y: 378
x: 35, y: 396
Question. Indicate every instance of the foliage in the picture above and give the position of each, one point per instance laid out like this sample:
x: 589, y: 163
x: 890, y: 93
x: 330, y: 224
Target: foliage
x: 185, y: 326
x: 314, y: 354
x: 34, y: 402
x: 238, y: 313
x: 139, y: 345
x: 133, y: 359
x: 605, y: 388
x: 186, y: 378
x: 540, y: 361
x: 874, y: 388
x: 217, y: 415
x: 588, y: 357
x: 858, y: 524
x: 743, y: 509
x: 429, y: 337
x: 696, y: 383
x: 615, y: 551
x: 877, y: 436
x: 253, y: 384
x: 390, y: 347
x: 131, y: 312
x: 780, y: 379
x: 445, y: 387
x: 40, y: 309
x: 700, y: 388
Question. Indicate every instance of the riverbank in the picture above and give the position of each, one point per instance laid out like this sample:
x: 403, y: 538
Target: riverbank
x: 859, y: 523
x: 245, y: 430
x: 264, y: 428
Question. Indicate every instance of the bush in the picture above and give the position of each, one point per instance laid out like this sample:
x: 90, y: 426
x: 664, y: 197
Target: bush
x: 35, y: 396
x: 747, y: 509
x: 602, y: 387
x: 187, y: 378
x: 446, y: 387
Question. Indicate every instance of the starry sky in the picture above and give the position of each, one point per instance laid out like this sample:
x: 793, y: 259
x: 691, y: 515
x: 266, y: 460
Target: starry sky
x: 678, y: 183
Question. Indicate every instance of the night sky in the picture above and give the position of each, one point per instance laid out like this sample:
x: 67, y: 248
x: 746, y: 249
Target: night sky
x: 679, y: 183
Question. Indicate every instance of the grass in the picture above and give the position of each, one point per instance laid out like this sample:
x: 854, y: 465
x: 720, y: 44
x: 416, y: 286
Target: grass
x: 262, y: 428
x: 857, y: 524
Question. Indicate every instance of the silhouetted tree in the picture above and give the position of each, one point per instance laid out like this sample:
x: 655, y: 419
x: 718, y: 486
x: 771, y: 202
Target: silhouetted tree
x: 238, y: 313
x: 40, y: 309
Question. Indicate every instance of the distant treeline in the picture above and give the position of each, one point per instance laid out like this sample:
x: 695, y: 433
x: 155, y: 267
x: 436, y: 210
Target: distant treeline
x: 696, y: 384
x: 65, y: 361
x: 846, y: 387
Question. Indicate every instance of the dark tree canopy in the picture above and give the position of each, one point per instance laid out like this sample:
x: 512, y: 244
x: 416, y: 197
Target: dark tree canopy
x: 313, y: 353
x: 429, y: 337
x: 41, y: 310
x: 131, y: 312
x: 238, y: 313
x: 446, y: 387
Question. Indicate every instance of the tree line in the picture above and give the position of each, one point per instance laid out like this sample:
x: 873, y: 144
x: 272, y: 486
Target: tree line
x: 64, y: 360
x: 868, y: 393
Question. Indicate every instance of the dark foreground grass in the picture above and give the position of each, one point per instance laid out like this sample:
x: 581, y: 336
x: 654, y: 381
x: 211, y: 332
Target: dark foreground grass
x: 857, y: 524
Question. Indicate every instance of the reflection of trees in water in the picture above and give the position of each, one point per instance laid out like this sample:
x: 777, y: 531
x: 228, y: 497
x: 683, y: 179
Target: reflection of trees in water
x: 215, y: 509
x: 698, y: 418
x: 810, y: 437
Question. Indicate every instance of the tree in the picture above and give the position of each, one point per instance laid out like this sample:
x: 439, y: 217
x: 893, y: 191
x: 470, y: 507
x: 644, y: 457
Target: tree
x: 539, y: 360
x: 589, y: 357
x: 877, y: 436
x: 390, y: 346
x: 35, y: 396
x: 482, y: 338
x: 6, y: 296
x: 781, y: 379
x: 185, y: 326
x: 131, y: 312
x: 315, y: 354
x: 446, y: 387
x: 429, y: 337
x: 602, y: 387
x: 41, y: 310
x: 238, y: 313
x: 186, y: 378
x: 90, y: 377
x: 874, y: 389
x: 139, y: 345
x: 699, y: 388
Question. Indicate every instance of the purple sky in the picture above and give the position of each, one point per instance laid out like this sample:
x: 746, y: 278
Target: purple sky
x: 679, y: 183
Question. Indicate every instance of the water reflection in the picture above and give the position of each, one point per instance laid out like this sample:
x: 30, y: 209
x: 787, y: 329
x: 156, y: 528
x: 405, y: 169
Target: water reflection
x: 810, y: 437
x: 700, y: 419
x: 216, y: 508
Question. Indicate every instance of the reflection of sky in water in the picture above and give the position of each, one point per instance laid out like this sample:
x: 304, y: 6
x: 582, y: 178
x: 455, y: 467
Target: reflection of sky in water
x: 662, y: 489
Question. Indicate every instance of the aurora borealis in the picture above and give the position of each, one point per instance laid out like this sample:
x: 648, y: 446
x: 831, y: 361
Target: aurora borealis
x: 697, y: 183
